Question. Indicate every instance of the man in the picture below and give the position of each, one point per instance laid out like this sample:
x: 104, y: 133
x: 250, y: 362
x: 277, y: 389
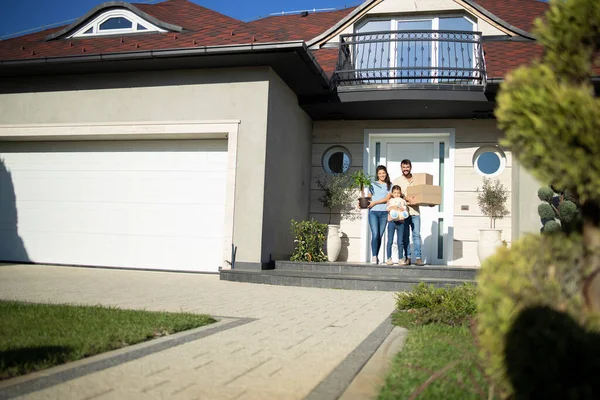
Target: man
x: 414, y: 219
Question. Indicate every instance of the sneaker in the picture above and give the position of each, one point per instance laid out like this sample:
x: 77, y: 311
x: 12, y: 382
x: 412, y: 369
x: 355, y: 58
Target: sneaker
x: 401, y: 262
x: 419, y: 262
x: 407, y: 261
x: 389, y: 262
x: 374, y: 260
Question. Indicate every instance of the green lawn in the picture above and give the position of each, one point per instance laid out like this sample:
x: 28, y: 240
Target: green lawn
x: 435, y: 352
x: 38, y: 336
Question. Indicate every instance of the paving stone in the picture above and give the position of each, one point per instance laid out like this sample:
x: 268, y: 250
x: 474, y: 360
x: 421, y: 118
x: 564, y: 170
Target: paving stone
x: 287, y: 351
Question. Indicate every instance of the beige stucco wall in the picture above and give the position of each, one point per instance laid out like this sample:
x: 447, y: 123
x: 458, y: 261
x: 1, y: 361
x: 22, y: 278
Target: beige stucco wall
x: 287, y: 173
x: 186, y: 95
x: 469, y: 136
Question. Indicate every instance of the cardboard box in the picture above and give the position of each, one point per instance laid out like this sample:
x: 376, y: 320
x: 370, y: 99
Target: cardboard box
x: 425, y: 194
x: 422, y: 179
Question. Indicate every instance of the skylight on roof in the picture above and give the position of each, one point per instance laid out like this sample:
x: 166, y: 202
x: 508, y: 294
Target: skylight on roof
x: 113, y: 22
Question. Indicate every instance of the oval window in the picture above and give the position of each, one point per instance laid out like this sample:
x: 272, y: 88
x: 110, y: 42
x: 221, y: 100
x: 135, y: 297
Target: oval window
x: 489, y: 161
x: 336, y: 160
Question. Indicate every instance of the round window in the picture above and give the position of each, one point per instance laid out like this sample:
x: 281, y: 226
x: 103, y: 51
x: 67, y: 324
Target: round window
x: 489, y: 161
x: 336, y: 160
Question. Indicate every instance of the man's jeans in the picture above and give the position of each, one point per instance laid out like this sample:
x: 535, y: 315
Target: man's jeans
x: 414, y: 223
x: 377, y: 223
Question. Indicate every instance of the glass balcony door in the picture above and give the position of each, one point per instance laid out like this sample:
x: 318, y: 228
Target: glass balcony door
x: 415, y: 52
x: 372, y: 51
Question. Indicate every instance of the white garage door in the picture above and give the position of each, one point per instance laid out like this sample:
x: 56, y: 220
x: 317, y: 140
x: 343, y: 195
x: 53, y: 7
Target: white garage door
x: 141, y: 204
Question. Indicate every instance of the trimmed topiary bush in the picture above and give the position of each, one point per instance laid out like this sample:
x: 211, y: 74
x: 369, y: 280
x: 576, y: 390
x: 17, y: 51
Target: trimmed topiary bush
x: 559, y: 212
x: 538, y: 271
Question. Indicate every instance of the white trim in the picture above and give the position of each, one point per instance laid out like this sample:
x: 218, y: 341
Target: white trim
x: 415, y: 135
x: 119, y: 130
x: 96, y: 22
x: 225, y: 129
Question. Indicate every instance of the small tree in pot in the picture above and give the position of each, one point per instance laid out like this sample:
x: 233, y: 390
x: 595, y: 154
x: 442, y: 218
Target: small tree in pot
x: 491, y: 199
x: 337, y: 195
x: 360, y: 180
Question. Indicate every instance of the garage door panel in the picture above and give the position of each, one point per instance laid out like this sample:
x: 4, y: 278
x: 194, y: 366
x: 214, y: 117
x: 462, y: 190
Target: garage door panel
x: 122, y: 219
x: 123, y: 251
x: 141, y: 204
x: 191, y: 155
x: 122, y: 186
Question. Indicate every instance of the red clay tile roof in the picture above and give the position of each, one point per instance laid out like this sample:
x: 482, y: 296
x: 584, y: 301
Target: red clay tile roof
x: 186, y: 14
x: 501, y: 57
x: 518, y: 13
x: 327, y: 59
x: 297, y: 27
x: 204, y: 27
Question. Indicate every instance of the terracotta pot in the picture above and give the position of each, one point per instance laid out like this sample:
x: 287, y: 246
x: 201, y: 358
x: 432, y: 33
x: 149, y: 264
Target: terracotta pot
x: 334, y: 243
x: 363, y: 202
x: 489, y: 241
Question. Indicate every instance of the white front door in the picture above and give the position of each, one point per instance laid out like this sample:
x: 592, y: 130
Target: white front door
x: 428, y: 154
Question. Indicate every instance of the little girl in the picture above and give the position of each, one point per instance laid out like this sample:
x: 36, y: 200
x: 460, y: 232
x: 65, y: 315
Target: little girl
x: 396, y: 207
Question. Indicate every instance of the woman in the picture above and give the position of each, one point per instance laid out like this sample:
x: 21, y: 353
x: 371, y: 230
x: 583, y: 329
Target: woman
x: 379, y: 194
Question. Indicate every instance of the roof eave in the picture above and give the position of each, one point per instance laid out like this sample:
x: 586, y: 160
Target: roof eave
x: 301, y: 71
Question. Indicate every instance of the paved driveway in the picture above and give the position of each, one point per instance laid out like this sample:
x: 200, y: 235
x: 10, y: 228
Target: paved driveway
x: 293, y: 340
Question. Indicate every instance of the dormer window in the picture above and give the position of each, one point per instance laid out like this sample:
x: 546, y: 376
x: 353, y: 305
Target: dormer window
x: 115, y: 22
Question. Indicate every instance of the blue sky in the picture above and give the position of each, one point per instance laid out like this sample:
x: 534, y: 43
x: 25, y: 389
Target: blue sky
x: 20, y: 15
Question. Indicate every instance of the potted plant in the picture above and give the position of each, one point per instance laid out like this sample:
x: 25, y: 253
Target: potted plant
x: 360, y: 180
x: 492, y: 199
x: 336, y: 195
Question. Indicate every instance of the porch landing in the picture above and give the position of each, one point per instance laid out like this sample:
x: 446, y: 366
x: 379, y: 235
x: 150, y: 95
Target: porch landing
x: 352, y: 276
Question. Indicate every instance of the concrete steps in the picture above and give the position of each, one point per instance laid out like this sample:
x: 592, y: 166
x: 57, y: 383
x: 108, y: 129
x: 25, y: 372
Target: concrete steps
x: 352, y: 276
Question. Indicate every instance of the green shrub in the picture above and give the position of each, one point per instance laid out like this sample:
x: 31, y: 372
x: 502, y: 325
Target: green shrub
x: 558, y: 212
x: 538, y: 271
x: 450, y: 305
x: 309, y: 238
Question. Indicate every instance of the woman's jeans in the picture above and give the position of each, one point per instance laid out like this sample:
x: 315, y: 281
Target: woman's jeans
x: 414, y: 223
x: 393, y: 227
x: 377, y: 222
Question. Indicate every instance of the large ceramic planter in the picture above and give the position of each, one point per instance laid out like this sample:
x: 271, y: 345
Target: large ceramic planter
x: 334, y: 242
x: 489, y: 241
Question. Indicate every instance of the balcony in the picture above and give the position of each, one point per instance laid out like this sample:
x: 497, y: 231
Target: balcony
x: 410, y: 59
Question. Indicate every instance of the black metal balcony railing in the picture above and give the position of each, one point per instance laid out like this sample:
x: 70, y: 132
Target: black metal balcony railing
x: 406, y: 57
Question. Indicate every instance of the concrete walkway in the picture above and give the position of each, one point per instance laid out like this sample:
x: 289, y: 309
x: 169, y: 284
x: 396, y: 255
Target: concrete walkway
x: 289, y: 341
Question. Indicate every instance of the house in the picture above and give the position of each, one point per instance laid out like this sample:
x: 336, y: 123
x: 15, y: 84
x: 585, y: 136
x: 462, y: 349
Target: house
x: 169, y: 136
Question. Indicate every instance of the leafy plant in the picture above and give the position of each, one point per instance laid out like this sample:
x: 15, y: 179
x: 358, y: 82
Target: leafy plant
x: 450, y: 305
x: 309, y: 238
x: 559, y: 212
x: 538, y: 270
x: 550, y: 116
x: 360, y: 180
x: 492, y: 199
x: 337, y: 193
